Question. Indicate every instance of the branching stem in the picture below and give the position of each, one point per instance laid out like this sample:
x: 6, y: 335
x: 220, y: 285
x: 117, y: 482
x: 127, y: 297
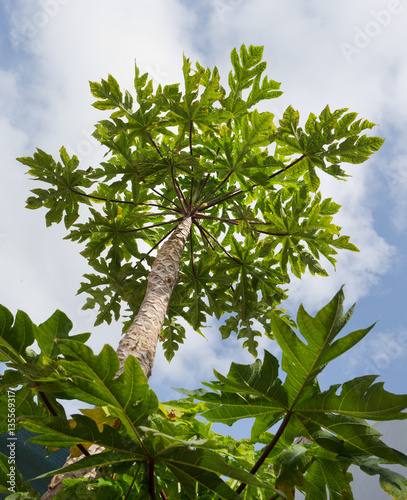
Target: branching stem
x: 236, y: 192
x: 150, y: 226
x: 178, y: 190
x: 207, y: 197
x: 154, y: 144
x: 191, y: 128
x: 99, y: 198
x: 54, y: 413
x: 220, y: 219
x: 176, y: 210
x: 268, y: 449
x: 221, y: 199
x: 217, y: 242
x: 285, y: 168
x: 131, y: 484
x: 272, y: 234
x: 165, y: 198
x: 204, y: 237
x: 200, y: 188
x: 150, y: 466
x: 191, y: 192
x: 235, y: 222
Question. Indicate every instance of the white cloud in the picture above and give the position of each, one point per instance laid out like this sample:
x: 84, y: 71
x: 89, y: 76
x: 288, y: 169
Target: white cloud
x: 358, y: 271
x: 376, y: 354
x: 197, y: 357
x: 304, y: 52
x: 393, y: 177
x: 62, y: 45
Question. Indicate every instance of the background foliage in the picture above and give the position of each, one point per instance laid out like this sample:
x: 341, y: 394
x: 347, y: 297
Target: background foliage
x: 251, y: 188
x: 152, y: 447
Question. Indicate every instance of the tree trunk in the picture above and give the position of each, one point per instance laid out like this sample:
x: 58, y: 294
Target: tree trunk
x: 141, y: 338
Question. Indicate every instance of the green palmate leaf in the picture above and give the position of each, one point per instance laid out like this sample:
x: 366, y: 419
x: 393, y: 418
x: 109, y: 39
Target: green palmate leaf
x: 392, y: 483
x: 23, y: 404
x: 68, y: 180
x: 334, y: 137
x: 14, y: 339
x: 359, y: 398
x: 200, y: 281
x: 355, y: 436
x: 327, y: 474
x: 105, y: 458
x: 247, y: 73
x: 57, y: 327
x: 62, y: 433
x: 109, y: 95
x: 107, y: 287
x: 289, y: 468
x: 91, y: 378
x: 194, y: 109
x: 332, y: 420
x: 174, y: 335
x: 304, y: 361
x: 304, y: 218
x: 28, y: 366
x: 247, y: 391
x: 204, y: 467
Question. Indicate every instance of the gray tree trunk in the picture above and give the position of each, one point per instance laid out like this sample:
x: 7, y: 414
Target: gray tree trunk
x: 141, y: 338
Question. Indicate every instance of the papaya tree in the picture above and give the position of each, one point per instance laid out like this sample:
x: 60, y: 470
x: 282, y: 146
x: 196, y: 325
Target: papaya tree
x: 230, y: 202
x: 229, y: 198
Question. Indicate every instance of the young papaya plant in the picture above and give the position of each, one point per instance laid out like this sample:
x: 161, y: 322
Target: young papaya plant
x: 169, y: 450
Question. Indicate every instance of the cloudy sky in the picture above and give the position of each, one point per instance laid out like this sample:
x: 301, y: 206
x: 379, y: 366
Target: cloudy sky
x: 344, y: 54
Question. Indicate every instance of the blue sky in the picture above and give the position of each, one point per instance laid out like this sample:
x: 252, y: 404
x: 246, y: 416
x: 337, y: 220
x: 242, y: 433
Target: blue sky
x: 344, y: 54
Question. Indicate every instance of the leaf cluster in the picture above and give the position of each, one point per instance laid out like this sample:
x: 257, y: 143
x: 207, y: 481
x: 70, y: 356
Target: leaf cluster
x: 249, y: 184
x: 302, y: 437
